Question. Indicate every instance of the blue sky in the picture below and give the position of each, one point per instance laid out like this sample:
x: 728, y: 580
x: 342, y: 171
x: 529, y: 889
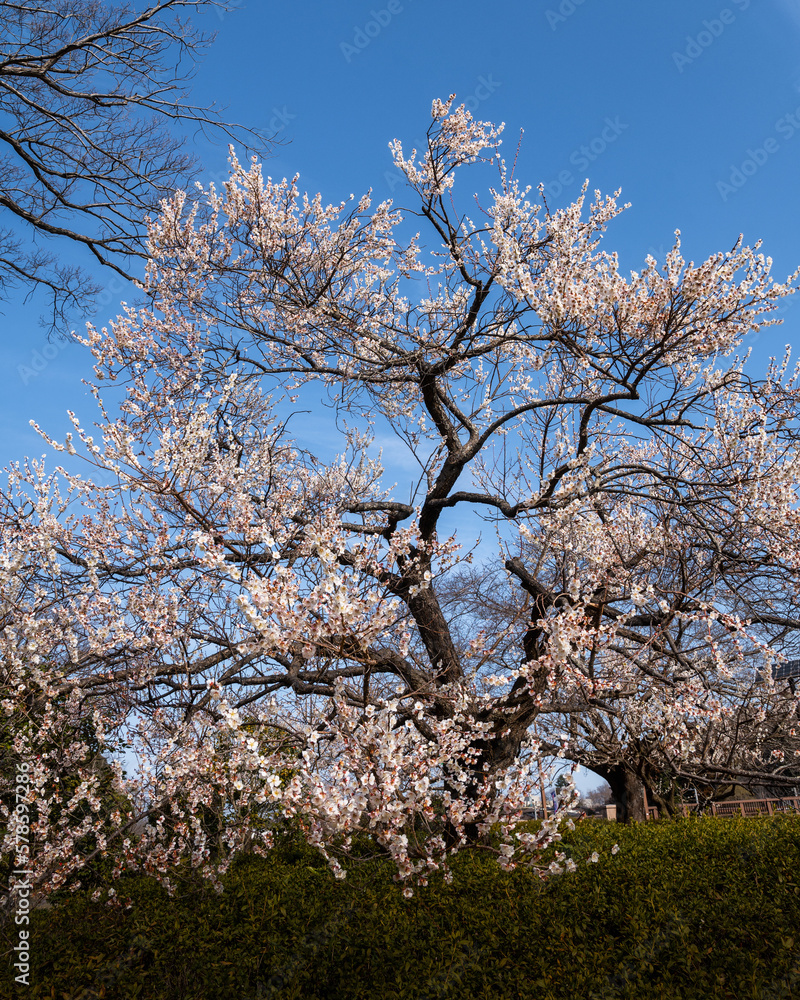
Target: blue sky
x: 691, y: 107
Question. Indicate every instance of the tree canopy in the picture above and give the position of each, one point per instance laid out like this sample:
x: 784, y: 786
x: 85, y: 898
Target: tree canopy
x: 216, y: 577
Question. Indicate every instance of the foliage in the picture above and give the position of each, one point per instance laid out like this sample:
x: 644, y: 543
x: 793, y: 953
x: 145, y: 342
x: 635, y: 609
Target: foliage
x: 687, y: 909
x: 79, y: 793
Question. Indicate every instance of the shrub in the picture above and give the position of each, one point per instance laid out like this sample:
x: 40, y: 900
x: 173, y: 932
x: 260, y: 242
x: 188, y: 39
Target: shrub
x: 687, y: 909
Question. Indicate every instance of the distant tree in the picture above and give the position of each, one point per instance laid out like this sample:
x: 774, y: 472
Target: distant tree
x: 92, y: 99
x: 597, y: 797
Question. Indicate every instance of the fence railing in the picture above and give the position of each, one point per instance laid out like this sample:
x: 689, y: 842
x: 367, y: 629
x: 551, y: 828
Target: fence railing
x: 740, y: 807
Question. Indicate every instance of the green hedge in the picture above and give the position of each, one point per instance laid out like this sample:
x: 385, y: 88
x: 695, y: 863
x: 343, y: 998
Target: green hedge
x: 687, y: 909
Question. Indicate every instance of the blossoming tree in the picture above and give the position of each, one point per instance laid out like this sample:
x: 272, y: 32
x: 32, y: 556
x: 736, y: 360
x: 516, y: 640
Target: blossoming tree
x: 213, y: 595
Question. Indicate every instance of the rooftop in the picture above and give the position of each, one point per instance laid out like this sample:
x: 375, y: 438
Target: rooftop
x: 786, y: 670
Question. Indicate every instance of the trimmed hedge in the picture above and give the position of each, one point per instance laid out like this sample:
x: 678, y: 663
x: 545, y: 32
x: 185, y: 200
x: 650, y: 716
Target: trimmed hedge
x: 688, y: 909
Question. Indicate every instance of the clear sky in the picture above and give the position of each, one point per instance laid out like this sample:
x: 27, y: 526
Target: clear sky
x: 691, y: 107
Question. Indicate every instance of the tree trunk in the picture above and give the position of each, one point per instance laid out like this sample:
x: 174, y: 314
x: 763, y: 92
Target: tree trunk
x: 499, y: 752
x: 627, y: 790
